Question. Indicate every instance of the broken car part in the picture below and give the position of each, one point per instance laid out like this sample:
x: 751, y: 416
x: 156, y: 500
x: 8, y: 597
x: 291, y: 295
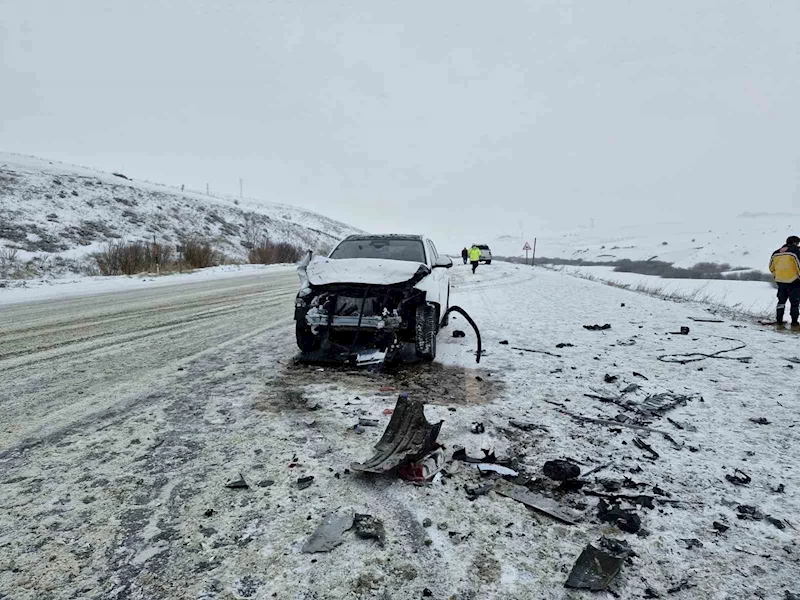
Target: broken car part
x: 598, y: 564
x: 535, y: 501
x: 492, y: 468
x: 477, y: 428
x: 626, y: 520
x: 329, y: 533
x: 369, y: 527
x: 561, y: 470
x: 425, y: 469
x: 738, y: 478
x: 463, y: 313
x: 488, y: 457
x: 407, y: 438
x: 237, y: 482
x: 597, y: 327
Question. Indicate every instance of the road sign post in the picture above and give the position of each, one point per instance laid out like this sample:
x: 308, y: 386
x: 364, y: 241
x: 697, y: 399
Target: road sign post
x: 533, y: 258
x: 527, y: 248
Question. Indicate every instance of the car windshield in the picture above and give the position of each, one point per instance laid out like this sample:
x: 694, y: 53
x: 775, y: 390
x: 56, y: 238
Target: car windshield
x: 482, y: 247
x: 392, y: 249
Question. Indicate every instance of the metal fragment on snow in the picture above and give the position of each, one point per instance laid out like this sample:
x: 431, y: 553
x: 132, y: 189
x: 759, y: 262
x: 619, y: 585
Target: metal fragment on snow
x: 535, y: 501
x: 598, y: 564
x: 329, y: 533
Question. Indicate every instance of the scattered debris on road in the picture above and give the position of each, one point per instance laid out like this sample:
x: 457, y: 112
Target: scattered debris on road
x: 597, y: 327
x: 626, y: 520
x: 739, y: 477
x: 683, y: 331
x: 564, y: 345
x: 532, y: 351
x: 477, y: 428
x: 598, y: 565
x: 425, y: 469
x: 237, y: 482
x: 457, y: 333
x: 691, y: 357
x: 304, y: 482
x: 761, y: 421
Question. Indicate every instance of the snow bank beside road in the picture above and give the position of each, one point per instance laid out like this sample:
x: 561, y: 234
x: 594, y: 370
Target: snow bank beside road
x: 752, y: 297
x: 31, y: 290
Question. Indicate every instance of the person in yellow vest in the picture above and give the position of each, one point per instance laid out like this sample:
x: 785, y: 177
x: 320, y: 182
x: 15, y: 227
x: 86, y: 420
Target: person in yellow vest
x: 785, y: 268
x: 474, y: 256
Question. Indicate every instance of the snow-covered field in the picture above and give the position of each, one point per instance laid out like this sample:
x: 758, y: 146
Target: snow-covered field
x: 754, y: 298
x: 125, y: 414
x: 50, y: 209
x: 746, y: 240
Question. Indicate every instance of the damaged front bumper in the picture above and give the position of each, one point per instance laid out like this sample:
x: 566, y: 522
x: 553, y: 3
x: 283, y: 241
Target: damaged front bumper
x: 381, y: 323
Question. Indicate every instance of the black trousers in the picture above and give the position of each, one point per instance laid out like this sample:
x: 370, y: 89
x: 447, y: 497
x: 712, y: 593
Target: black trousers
x: 474, y: 265
x: 790, y: 292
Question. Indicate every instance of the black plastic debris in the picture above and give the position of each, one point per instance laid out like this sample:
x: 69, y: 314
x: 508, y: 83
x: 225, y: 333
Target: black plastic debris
x: 626, y: 520
x: 474, y: 492
x: 781, y: 489
x: 329, y: 533
x: 488, y: 457
x: 635, y: 374
x: 369, y: 527
x: 779, y: 523
x: 597, y: 327
x: 265, y: 483
x: 610, y: 378
x: 426, y: 593
x: 761, y: 421
x: 459, y: 334
x: 642, y: 445
x: 477, y: 428
x: 561, y: 470
x: 304, y: 482
x: 749, y: 513
x: 598, y: 565
x: 535, y: 501
x: 408, y: 437
x: 720, y: 527
x: 209, y: 512
x: 504, y: 343
x: 368, y: 422
x: 683, y: 331
x: 564, y: 345
x: 237, y: 482
x: 738, y: 478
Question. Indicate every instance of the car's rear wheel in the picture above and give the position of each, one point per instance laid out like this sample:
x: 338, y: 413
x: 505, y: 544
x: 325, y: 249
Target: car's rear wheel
x: 426, y: 330
x: 488, y: 262
x: 306, y: 340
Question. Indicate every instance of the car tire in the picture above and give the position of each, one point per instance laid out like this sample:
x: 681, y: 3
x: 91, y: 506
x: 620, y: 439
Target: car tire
x: 306, y: 340
x: 488, y: 262
x: 426, y: 330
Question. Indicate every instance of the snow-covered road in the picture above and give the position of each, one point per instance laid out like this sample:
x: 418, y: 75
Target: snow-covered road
x: 122, y: 416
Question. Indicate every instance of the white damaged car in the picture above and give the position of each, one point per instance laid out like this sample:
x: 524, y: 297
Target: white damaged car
x: 372, y: 294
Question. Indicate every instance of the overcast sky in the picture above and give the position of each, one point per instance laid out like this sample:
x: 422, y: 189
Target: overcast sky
x: 465, y: 119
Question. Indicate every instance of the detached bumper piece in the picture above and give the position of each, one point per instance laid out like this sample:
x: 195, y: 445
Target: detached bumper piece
x: 407, y: 439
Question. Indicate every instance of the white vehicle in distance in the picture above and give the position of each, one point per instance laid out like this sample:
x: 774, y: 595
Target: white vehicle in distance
x: 486, y: 254
x: 373, y: 293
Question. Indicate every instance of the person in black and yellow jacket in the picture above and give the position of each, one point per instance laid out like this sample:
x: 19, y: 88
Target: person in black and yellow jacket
x: 785, y: 268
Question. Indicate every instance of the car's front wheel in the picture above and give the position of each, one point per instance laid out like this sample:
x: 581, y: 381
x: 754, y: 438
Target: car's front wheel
x: 426, y: 330
x: 306, y: 340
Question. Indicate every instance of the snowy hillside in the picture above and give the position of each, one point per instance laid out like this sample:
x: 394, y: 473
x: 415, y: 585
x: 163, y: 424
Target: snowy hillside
x: 743, y: 241
x: 54, y: 208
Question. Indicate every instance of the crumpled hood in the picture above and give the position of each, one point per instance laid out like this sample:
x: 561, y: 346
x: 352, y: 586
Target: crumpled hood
x: 370, y: 271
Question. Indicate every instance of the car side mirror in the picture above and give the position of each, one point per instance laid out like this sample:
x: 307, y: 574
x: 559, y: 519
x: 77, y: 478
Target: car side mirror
x: 443, y: 262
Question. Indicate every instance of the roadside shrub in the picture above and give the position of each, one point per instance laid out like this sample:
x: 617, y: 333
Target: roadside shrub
x: 199, y: 254
x: 128, y: 258
x: 270, y: 253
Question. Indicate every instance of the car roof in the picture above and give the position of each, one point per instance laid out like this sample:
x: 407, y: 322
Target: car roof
x: 385, y: 236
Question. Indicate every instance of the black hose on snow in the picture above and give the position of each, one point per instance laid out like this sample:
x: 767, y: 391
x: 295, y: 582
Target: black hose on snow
x: 462, y: 312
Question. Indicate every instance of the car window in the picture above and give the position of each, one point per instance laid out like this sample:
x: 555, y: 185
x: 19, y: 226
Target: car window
x: 391, y: 249
x: 432, y: 252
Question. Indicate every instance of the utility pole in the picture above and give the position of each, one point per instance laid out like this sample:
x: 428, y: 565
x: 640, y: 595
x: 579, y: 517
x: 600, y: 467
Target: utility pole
x: 155, y: 252
x: 533, y: 258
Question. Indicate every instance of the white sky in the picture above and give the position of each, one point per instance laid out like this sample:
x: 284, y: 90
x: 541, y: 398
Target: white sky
x: 463, y: 119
